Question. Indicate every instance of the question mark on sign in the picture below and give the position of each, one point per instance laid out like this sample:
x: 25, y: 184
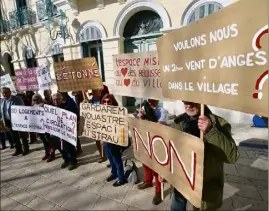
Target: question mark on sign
x: 73, y: 124
x: 256, y: 45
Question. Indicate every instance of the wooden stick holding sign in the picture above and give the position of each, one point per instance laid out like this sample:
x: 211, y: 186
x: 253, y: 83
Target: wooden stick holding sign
x: 202, y: 113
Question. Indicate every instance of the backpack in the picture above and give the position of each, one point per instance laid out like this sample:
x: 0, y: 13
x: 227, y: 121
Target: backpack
x: 259, y: 121
x: 131, y: 172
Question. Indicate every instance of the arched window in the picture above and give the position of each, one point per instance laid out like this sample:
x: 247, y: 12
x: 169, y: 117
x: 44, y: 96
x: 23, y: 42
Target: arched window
x: 143, y: 23
x: 57, y: 52
x: 30, y: 59
x: 204, y: 10
x: 7, y: 64
x: 89, y: 33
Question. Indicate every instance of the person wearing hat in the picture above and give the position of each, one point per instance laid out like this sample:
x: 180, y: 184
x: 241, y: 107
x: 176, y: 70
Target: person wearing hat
x: 220, y: 148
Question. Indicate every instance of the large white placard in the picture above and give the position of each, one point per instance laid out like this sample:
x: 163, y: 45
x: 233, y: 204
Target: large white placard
x: 6, y: 81
x: 61, y: 123
x: 44, y: 77
x: 27, y: 119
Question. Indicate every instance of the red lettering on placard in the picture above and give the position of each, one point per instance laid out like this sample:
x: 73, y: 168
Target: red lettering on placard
x: 170, y: 153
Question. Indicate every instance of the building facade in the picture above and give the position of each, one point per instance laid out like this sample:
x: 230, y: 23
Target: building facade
x: 36, y: 31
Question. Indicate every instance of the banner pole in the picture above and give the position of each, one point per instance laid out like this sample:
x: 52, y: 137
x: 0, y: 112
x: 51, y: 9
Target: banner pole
x: 202, y: 113
x: 162, y: 190
x: 62, y: 146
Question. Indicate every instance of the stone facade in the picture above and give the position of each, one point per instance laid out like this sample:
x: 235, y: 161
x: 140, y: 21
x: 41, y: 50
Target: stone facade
x: 109, y: 19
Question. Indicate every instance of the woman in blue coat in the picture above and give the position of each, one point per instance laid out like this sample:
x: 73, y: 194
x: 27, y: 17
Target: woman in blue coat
x: 114, y: 152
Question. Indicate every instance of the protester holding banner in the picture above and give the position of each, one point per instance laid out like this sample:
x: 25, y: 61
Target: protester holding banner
x: 48, y: 101
x: 113, y: 151
x: 96, y: 99
x: 220, y: 148
x: 73, y: 108
x: 68, y: 150
x: 5, y: 110
x: 47, y: 95
x: 29, y: 97
x: 38, y: 102
x: 151, y: 111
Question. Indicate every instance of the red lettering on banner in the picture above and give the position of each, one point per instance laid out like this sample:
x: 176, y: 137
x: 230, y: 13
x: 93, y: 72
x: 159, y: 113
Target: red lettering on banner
x: 170, y: 152
x: 148, y: 147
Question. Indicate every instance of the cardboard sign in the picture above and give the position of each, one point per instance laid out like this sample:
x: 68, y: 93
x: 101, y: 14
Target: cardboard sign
x: 61, y: 123
x: 27, y: 119
x: 220, y: 60
x: 176, y: 156
x: 26, y: 79
x: 78, y: 75
x: 137, y: 75
x: 6, y: 81
x: 105, y: 123
x: 44, y: 77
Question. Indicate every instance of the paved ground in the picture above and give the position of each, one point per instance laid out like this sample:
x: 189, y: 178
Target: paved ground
x: 27, y: 183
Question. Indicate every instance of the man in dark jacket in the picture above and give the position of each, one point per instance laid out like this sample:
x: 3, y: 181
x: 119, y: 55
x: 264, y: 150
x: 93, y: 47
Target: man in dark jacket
x: 73, y: 108
x: 220, y: 148
x: 5, y: 111
x: 69, y: 151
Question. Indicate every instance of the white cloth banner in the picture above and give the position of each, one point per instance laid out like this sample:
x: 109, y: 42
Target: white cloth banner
x: 44, y: 77
x: 61, y: 123
x: 27, y: 119
x: 6, y: 81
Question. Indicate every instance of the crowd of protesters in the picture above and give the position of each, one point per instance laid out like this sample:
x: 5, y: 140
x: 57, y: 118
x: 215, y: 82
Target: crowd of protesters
x: 220, y: 147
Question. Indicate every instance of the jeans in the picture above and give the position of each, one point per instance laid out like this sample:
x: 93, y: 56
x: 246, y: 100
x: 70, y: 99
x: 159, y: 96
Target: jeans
x: 4, y: 136
x: 115, y: 162
x: 43, y: 138
x: 179, y: 203
x: 69, y: 153
x: 149, y: 174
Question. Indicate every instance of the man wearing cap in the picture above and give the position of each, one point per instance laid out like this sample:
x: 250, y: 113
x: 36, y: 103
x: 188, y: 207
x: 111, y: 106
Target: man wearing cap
x: 220, y: 148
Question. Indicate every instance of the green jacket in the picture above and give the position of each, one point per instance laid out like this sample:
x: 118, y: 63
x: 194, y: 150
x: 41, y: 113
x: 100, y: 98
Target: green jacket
x: 220, y: 148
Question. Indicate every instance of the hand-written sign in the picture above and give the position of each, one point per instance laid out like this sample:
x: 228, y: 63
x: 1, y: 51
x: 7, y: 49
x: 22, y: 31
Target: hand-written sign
x: 61, y: 123
x: 105, y: 123
x: 44, y: 77
x: 176, y: 156
x: 26, y: 79
x: 27, y: 119
x: 137, y: 75
x: 221, y: 63
x: 77, y: 75
x: 6, y: 81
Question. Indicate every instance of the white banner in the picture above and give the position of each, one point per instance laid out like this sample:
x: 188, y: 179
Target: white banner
x: 27, y: 119
x: 44, y: 77
x: 6, y: 81
x: 61, y: 123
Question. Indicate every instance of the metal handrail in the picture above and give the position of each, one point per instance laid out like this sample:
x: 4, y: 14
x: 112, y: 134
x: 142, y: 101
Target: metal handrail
x: 21, y: 17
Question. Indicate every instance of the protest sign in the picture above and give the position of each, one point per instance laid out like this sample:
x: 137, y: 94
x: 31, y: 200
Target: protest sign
x: 137, y: 75
x: 78, y: 75
x: 176, y: 156
x: 220, y: 60
x: 44, y: 77
x: 26, y: 79
x: 6, y: 81
x: 105, y: 123
x: 61, y: 123
x: 27, y: 119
